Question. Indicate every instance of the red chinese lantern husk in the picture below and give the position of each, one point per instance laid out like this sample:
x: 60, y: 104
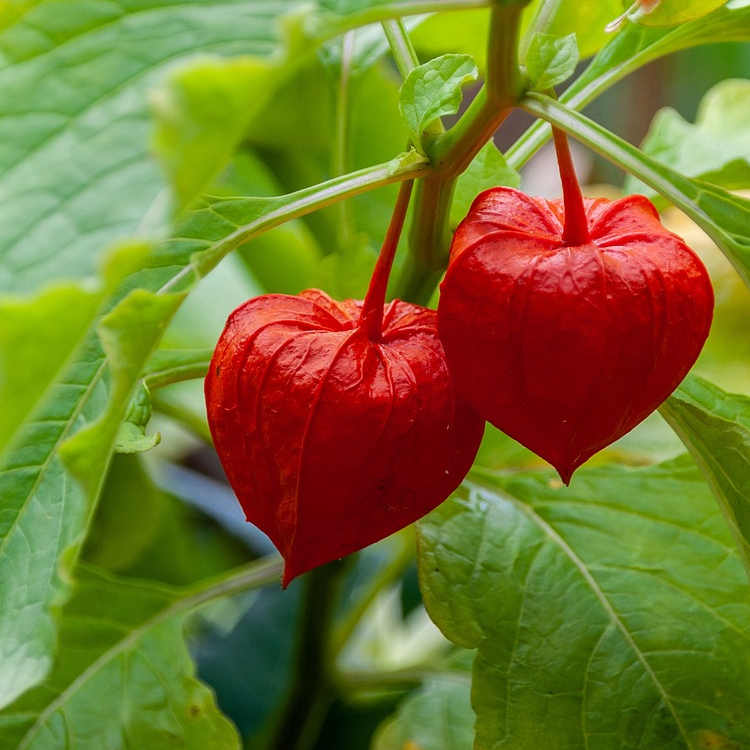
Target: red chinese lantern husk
x: 336, y: 428
x: 567, y: 322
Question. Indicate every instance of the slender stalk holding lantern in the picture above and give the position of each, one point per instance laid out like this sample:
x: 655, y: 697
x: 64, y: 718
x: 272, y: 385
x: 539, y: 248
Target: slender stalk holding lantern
x: 576, y: 230
x: 371, y: 318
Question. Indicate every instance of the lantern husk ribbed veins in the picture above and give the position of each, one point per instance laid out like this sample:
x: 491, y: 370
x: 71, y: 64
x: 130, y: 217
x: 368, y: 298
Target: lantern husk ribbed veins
x: 566, y: 346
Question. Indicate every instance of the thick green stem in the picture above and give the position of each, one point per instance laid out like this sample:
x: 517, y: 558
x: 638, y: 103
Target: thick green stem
x: 313, y: 685
x: 452, y: 153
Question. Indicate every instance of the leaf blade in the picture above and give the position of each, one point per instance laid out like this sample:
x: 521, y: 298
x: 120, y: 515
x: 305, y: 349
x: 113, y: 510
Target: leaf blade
x: 715, y: 427
x: 433, y: 90
x: 123, y: 657
x: 526, y: 571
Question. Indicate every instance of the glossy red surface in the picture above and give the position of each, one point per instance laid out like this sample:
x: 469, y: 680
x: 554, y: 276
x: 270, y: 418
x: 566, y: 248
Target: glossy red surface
x: 332, y: 441
x: 566, y: 349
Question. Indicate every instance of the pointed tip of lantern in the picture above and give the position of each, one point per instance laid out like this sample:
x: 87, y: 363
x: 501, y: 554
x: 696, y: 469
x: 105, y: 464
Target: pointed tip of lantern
x: 288, y: 575
x: 566, y: 473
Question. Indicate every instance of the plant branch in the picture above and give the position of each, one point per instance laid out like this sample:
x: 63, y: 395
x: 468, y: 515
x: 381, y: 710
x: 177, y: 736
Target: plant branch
x: 401, y: 47
x: 452, y: 152
x: 277, y: 211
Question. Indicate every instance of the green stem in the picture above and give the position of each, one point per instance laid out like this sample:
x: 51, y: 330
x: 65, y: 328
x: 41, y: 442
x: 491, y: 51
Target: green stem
x: 391, y: 572
x: 371, y: 318
x: 543, y: 15
x: 401, y: 47
x: 297, y: 725
x: 452, y: 152
x: 193, y: 420
x: 341, y: 141
x: 277, y: 211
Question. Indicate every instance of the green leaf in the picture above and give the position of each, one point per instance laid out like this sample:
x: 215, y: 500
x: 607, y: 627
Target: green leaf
x: 132, y: 437
x: 630, y: 49
x: 588, y: 21
x: 436, y: 717
x: 127, y: 517
x: 204, y: 109
x: 550, y: 60
x: 75, y: 167
x: 37, y: 334
x: 124, y: 677
x: 202, y: 112
x: 671, y: 12
x: 433, y: 90
x: 715, y: 427
x: 487, y: 169
x: 716, y: 148
x: 576, y: 623
x: 129, y: 334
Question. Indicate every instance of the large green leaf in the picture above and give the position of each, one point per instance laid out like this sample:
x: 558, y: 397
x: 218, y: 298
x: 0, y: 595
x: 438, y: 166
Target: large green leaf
x: 44, y: 510
x: 75, y: 170
x: 124, y: 677
x: 587, y: 636
x: 715, y: 427
x: 631, y: 48
x: 716, y: 148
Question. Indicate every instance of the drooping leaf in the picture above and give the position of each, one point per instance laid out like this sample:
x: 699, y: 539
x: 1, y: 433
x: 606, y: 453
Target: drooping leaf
x: 573, y: 627
x: 715, y: 427
x: 487, y: 169
x: 124, y: 677
x: 550, y: 59
x: 715, y: 149
x: 129, y: 333
x: 433, y: 90
x: 203, y: 109
x: 37, y: 334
